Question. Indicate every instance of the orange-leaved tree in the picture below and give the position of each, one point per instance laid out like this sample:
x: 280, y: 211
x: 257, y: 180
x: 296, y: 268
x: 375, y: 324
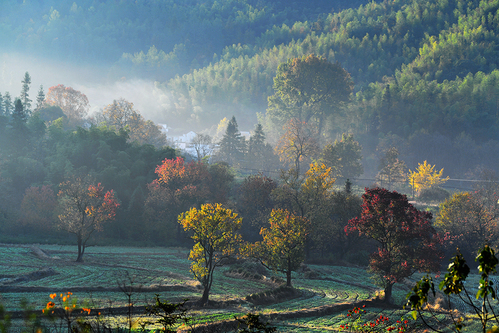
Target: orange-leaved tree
x: 215, y: 234
x: 426, y: 177
x: 83, y: 207
x: 283, y: 246
x: 178, y: 187
x: 73, y: 103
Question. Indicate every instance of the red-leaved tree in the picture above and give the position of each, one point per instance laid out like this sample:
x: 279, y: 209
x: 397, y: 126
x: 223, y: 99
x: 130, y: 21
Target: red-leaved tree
x: 83, y: 208
x: 407, y: 241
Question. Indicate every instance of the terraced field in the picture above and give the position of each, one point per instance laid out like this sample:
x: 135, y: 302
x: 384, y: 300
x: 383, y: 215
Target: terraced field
x: 325, y: 293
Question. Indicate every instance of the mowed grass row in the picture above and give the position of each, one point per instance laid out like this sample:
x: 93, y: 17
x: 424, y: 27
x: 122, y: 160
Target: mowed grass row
x: 108, y: 267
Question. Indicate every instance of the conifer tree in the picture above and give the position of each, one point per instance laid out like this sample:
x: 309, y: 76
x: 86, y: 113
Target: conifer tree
x: 40, y: 98
x: 7, y: 104
x: 260, y: 154
x: 232, y: 145
x: 26, y: 101
x: 19, y: 115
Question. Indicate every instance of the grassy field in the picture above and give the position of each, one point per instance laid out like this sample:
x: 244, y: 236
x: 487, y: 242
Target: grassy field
x: 34, y: 272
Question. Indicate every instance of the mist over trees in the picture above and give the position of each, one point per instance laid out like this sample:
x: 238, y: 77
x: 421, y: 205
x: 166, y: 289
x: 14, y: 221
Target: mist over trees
x: 294, y: 110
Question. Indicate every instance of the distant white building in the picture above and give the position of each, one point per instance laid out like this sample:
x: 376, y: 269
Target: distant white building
x: 184, y: 141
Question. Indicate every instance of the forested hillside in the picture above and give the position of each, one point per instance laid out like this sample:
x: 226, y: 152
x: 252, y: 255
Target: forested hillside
x: 423, y: 71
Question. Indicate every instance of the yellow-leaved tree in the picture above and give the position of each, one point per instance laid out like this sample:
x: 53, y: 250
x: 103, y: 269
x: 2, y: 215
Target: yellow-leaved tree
x: 283, y: 246
x: 426, y: 177
x: 214, y: 232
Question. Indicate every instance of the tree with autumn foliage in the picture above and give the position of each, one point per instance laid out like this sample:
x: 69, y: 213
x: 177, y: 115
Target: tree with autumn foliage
x: 471, y: 219
x: 178, y: 187
x: 122, y: 115
x: 425, y: 176
x: 214, y: 232
x: 299, y: 141
x: 407, y: 241
x: 83, y: 206
x: 310, y: 89
x: 310, y: 197
x: 283, y: 246
x: 73, y: 103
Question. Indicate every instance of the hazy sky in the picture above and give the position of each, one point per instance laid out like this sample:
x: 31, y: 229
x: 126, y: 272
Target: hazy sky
x: 147, y: 97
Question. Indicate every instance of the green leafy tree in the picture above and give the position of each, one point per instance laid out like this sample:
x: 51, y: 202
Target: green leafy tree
x: 407, y: 240
x: 254, y: 202
x: 214, y: 232
x: 344, y: 157
x: 309, y: 88
x: 232, y: 146
x: 283, y: 246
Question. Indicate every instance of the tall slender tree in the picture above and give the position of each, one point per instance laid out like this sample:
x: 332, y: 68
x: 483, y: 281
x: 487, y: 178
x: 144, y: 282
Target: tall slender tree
x: 40, y: 98
x: 7, y: 104
x: 25, y: 93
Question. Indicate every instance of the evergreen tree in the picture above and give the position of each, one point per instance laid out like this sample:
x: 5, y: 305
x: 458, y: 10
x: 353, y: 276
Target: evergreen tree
x: 40, y: 98
x: 260, y: 154
x: 25, y: 93
x: 232, y: 145
x: 19, y: 133
x: 19, y: 115
x: 2, y: 113
x: 7, y: 104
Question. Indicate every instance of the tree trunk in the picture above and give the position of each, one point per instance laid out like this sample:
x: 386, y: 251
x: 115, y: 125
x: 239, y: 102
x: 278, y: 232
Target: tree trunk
x: 81, y: 249
x: 388, y: 293
x: 288, y: 274
x: 206, y: 294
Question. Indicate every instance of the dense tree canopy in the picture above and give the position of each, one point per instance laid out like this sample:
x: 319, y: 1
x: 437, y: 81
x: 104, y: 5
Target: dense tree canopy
x: 406, y: 238
x: 214, y: 232
x: 309, y: 89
